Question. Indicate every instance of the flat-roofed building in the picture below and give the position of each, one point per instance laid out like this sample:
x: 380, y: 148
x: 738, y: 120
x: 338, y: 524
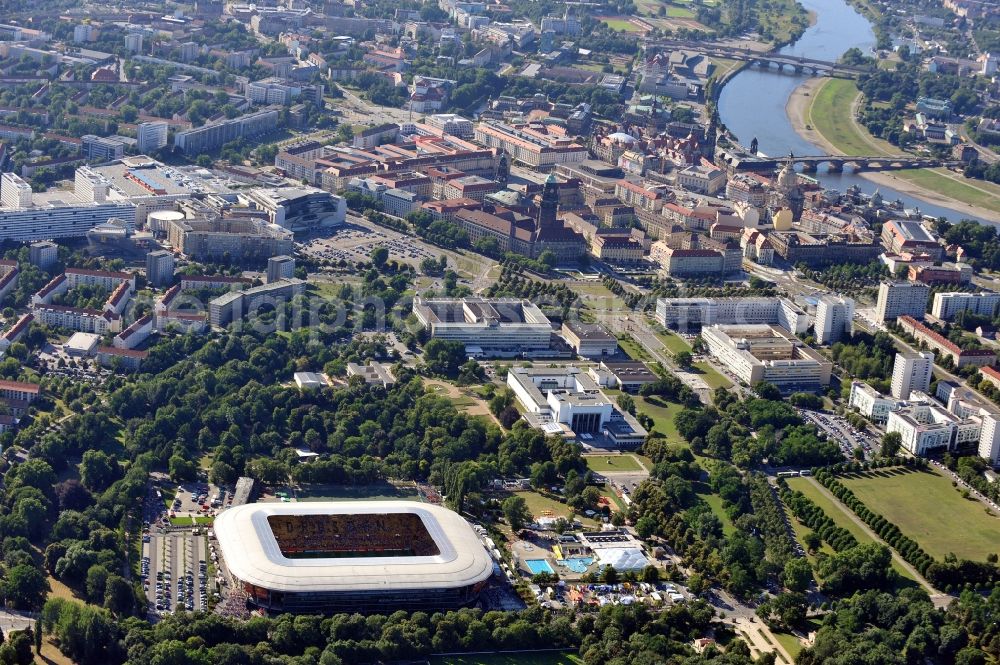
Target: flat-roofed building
x: 214, y: 135
x: 486, y: 326
x: 235, y: 305
x: 928, y: 428
x: 834, y: 318
x: 280, y: 267
x: 310, y: 380
x: 589, y: 340
x: 234, y: 240
x: 755, y: 353
x: 896, y: 299
x: 912, y: 371
x: 687, y: 313
x: 568, y: 402
x: 627, y: 375
x: 160, y: 267
x: 870, y: 403
x: 299, y: 209
x: 947, y: 305
x: 373, y: 373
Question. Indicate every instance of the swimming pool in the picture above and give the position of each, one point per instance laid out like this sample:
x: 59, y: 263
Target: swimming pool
x: 537, y: 566
x: 578, y: 564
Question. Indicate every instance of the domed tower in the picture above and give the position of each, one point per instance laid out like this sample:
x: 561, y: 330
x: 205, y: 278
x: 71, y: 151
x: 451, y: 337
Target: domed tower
x: 787, y: 192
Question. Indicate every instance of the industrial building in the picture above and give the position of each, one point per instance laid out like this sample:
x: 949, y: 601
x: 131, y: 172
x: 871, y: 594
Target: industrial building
x: 371, y: 556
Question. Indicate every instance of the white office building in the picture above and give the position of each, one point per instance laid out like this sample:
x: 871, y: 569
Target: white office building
x: 504, y: 326
x: 834, y: 317
x: 151, y: 136
x: 947, y: 305
x: 685, y: 313
x: 872, y: 404
x: 568, y: 402
x: 15, y: 193
x: 279, y: 268
x: 755, y: 353
x: 911, y: 371
x: 897, y: 299
x: 927, y: 428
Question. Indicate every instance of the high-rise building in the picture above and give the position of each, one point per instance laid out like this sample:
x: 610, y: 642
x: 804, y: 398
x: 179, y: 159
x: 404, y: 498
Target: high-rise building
x: 896, y: 299
x: 160, y: 268
x: 43, y: 254
x: 834, y: 315
x: 280, y: 267
x: 14, y: 192
x: 947, y: 305
x: 104, y: 148
x: 151, y: 136
x: 911, y: 372
x: 133, y: 42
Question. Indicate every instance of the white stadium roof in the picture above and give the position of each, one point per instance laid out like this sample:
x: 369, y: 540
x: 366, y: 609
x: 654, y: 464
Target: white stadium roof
x: 252, y: 554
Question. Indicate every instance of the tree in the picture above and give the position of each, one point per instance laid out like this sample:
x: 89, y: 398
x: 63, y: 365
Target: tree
x: 548, y: 258
x: 444, y: 356
x: 118, y: 596
x: 98, y: 470
x: 379, y: 257
x: 767, y: 391
x: 222, y: 473
x: 509, y: 416
x: 181, y: 469
x: 797, y: 575
x: 25, y: 587
x: 683, y: 359
x: 626, y: 403
x: 891, y: 443
x: 515, y: 511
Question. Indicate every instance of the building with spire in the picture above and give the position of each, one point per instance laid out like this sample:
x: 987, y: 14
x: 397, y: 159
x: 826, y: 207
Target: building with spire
x: 787, y: 192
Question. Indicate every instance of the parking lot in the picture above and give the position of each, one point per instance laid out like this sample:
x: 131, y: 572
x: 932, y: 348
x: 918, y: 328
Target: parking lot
x: 354, y: 242
x: 175, y: 571
x: 844, y: 434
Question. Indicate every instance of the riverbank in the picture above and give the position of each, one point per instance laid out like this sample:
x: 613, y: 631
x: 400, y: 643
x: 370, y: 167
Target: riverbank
x: 822, y: 112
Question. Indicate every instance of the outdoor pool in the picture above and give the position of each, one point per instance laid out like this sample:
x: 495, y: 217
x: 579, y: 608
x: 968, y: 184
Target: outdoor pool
x: 537, y: 566
x: 578, y: 564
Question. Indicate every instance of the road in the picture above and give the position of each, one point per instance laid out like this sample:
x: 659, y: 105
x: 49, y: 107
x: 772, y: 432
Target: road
x: 11, y: 620
x: 357, y: 111
x: 939, y: 599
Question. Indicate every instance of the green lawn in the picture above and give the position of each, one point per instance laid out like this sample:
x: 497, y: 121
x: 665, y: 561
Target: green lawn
x: 929, y: 510
x: 674, y: 343
x: 542, y: 506
x: 549, y: 658
x: 602, y: 463
x: 621, y: 25
x: 790, y: 643
x: 712, y: 377
x: 838, y: 513
x: 662, y: 413
x: 830, y: 114
x: 974, y: 192
x: 375, y: 492
x: 633, y: 349
x: 714, y: 502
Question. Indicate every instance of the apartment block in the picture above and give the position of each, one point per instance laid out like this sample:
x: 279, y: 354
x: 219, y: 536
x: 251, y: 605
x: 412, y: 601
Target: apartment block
x: 911, y: 372
x: 896, y: 299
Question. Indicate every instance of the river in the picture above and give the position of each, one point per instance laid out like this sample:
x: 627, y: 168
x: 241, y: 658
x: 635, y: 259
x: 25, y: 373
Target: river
x: 753, y: 103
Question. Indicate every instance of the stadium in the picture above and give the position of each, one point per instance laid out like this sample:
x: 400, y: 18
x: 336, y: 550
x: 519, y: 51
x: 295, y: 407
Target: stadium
x: 358, y: 556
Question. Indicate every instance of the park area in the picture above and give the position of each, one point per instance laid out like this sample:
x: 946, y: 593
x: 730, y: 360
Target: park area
x: 925, y: 507
x: 523, y: 658
x: 619, y: 463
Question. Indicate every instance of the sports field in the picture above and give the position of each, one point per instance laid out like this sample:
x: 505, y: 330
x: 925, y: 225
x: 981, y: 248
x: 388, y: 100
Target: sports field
x: 621, y: 25
x: 925, y: 507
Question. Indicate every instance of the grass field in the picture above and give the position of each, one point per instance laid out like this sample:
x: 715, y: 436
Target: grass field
x: 602, y: 463
x: 621, y: 25
x: 674, y: 343
x: 839, y: 515
x: 714, y: 502
x: 974, y: 192
x: 376, y: 492
x: 555, y: 658
x: 830, y: 114
x: 712, y: 377
x: 633, y: 349
x: 541, y: 505
x: 927, y: 508
x: 662, y: 414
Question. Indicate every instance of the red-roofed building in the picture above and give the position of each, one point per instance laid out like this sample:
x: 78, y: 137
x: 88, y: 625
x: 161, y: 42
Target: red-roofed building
x: 991, y: 375
x: 938, y: 342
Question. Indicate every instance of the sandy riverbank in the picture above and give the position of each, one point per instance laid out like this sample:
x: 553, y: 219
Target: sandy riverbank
x: 797, y: 110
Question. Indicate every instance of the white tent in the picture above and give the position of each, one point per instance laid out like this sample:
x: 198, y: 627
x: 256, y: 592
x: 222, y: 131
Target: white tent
x: 622, y: 559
